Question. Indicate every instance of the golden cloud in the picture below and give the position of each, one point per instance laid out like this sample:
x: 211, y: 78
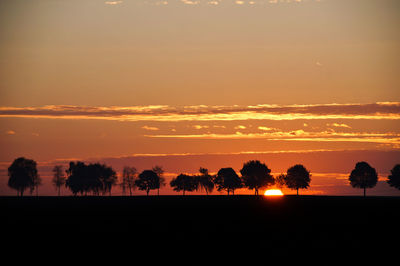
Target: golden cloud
x: 373, y: 111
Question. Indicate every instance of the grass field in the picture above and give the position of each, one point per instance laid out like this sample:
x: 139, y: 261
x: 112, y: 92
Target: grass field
x: 277, y: 226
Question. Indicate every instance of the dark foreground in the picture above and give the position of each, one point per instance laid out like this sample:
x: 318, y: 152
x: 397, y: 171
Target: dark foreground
x: 267, y: 226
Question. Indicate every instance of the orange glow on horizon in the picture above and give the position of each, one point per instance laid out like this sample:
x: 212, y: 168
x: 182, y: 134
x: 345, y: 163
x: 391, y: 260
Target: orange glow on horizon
x: 273, y: 192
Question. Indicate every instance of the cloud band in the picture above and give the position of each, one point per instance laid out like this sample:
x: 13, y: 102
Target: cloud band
x: 379, y: 110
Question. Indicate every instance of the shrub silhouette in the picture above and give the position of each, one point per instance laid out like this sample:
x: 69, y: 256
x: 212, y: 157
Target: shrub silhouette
x: 394, y: 178
x: 23, y: 174
x: 147, y: 180
x: 256, y: 175
x: 297, y: 177
x: 227, y: 179
x: 363, y: 176
x: 184, y: 183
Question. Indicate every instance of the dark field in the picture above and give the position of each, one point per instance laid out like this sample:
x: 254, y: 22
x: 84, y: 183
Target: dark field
x: 274, y: 226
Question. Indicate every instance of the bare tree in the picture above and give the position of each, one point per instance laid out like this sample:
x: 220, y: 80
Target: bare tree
x: 205, y: 180
x: 280, y: 181
x: 160, y: 172
x: 128, y: 179
x: 58, y: 178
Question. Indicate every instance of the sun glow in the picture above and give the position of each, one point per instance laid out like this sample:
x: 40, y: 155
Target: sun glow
x: 273, y: 192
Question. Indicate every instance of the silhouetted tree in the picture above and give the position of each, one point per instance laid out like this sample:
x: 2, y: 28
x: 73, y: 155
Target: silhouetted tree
x: 256, y: 175
x: 297, y: 177
x: 160, y: 172
x: 205, y: 181
x: 128, y: 179
x: 363, y: 176
x: 184, y: 183
x: 22, y: 174
x: 58, y: 177
x: 147, y: 181
x: 107, y: 176
x: 77, y: 180
x: 280, y: 181
x: 93, y: 178
x: 37, y: 181
x: 394, y: 178
x: 227, y: 179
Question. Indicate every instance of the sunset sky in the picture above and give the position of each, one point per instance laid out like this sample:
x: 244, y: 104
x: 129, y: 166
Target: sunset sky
x: 208, y: 83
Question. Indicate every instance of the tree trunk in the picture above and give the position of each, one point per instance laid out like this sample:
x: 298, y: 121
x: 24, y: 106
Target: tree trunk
x: 364, y: 192
x: 59, y: 188
x: 297, y: 192
x: 130, y: 191
x: 147, y: 192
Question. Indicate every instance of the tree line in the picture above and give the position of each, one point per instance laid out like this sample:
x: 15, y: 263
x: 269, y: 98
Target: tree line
x: 99, y: 179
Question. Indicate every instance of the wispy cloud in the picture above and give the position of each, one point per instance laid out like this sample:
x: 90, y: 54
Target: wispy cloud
x: 299, y: 135
x: 338, y: 125
x: 371, y: 111
x: 266, y: 128
x: 200, y: 126
x: 150, y: 128
x: 189, y: 2
x: 113, y: 2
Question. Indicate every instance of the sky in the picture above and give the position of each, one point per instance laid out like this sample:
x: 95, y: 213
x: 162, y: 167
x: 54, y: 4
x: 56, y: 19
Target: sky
x: 185, y: 84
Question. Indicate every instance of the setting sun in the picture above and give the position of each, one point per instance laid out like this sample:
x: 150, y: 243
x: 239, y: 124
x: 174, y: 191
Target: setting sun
x: 273, y: 192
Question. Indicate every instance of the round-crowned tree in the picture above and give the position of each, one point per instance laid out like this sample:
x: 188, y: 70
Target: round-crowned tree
x: 227, y: 179
x: 256, y: 175
x: 184, y: 183
x: 394, y: 178
x: 363, y: 176
x: 147, y: 180
x: 22, y: 174
x: 297, y: 177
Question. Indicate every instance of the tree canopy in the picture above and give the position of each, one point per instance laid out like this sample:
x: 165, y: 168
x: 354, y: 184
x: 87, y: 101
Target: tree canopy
x: 227, y: 179
x: 147, y: 180
x: 93, y: 178
x: 23, y: 174
x: 363, y: 176
x: 184, y: 183
x: 205, y: 180
x: 394, y: 177
x: 297, y: 177
x: 256, y: 175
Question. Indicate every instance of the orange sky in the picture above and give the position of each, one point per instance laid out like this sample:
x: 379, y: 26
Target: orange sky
x: 179, y: 79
